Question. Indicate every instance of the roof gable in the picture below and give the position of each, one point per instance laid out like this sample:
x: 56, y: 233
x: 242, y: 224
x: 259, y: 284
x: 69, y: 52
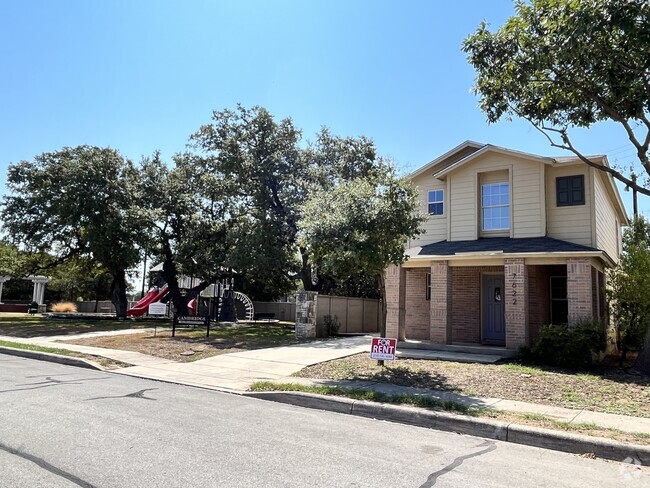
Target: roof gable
x: 449, y: 158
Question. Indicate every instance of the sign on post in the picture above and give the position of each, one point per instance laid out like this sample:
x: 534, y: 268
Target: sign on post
x: 157, y: 308
x: 383, y: 348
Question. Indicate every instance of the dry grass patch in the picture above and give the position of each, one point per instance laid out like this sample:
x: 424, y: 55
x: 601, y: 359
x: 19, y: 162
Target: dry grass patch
x: 607, y: 390
x: 192, y: 345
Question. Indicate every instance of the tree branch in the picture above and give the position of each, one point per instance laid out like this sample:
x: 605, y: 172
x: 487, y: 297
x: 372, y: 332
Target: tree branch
x: 568, y: 146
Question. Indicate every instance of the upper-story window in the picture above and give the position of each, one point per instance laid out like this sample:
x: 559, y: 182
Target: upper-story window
x: 570, y: 190
x: 495, y: 206
x: 436, y: 202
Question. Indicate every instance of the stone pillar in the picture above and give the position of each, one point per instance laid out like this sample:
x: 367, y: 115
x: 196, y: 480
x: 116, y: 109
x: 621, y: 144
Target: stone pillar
x: 306, y: 302
x: 395, y: 301
x: 2, y: 282
x: 39, y: 289
x: 579, y: 289
x: 516, y: 302
x: 440, y: 311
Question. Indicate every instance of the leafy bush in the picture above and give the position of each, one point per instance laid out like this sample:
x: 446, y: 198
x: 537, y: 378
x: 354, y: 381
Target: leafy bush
x: 63, y: 307
x: 332, y: 325
x: 568, y: 347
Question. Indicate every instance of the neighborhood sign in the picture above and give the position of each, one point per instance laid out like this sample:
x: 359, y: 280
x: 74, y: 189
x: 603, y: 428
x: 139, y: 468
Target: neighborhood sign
x: 193, y: 320
x: 383, y: 348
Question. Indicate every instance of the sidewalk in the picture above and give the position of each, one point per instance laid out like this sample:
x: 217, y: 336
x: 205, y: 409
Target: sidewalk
x: 237, y: 371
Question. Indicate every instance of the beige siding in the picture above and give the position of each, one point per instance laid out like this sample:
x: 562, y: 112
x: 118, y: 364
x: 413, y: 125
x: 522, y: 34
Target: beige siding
x: 573, y: 223
x: 435, y: 227
x: 606, y: 224
x: 526, y: 196
x: 528, y: 200
x: 462, y: 206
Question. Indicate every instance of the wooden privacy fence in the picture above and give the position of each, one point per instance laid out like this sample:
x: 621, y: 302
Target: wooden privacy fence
x: 356, y: 315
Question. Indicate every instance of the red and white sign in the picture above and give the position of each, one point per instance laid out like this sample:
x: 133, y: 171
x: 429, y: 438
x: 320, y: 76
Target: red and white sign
x: 383, y: 348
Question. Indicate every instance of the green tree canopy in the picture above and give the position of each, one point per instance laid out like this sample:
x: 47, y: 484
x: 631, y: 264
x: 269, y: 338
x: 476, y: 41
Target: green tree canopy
x: 270, y: 175
x: 76, y: 202
x: 569, y: 63
x: 362, y: 225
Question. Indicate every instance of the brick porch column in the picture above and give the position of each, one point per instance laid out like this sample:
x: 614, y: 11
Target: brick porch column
x: 516, y: 302
x: 579, y: 289
x: 395, y: 301
x: 440, y: 313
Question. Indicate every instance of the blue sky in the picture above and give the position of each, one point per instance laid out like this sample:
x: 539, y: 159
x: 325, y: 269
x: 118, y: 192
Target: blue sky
x: 143, y: 75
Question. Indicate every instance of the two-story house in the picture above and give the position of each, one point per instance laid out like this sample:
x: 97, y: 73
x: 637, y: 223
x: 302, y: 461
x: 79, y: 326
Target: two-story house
x: 513, y: 241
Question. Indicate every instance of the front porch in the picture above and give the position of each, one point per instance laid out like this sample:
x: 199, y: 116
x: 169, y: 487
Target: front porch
x: 497, y: 302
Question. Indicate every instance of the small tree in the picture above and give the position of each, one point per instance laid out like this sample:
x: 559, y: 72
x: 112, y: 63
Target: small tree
x: 362, y: 225
x: 630, y: 283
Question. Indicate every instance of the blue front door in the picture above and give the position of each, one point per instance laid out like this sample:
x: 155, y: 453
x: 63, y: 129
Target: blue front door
x: 494, y: 322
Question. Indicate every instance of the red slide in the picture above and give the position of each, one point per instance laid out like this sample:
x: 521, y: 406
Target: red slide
x: 140, y: 308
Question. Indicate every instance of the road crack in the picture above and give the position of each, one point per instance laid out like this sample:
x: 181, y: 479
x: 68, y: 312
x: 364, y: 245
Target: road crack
x: 46, y: 466
x: 433, y: 477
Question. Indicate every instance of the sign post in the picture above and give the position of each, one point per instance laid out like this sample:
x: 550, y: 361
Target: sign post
x: 383, y: 348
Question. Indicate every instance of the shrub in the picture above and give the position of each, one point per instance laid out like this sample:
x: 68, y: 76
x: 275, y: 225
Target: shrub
x: 568, y: 347
x: 63, y: 307
x: 332, y: 325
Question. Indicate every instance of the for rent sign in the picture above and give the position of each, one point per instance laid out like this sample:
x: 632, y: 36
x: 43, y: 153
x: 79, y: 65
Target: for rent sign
x: 383, y: 348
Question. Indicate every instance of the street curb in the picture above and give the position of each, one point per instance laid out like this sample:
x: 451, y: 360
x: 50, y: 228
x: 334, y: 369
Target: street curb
x: 53, y: 358
x: 491, y: 429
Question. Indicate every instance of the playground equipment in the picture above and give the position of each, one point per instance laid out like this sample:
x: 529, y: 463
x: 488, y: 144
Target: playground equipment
x: 213, y: 292
x: 248, y: 305
x: 140, y: 308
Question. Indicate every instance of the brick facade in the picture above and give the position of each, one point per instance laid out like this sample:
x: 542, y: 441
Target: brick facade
x: 440, y: 328
x: 417, y: 306
x: 579, y: 289
x: 395, y: 301
x: 516, y: 302
x: 453, y: 314
x: 466, y: 305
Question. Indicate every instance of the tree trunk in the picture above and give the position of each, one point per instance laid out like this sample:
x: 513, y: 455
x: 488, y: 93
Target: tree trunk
x: 305, y: 271
x: 171, y: 278
x: 642, y: 362
x: 118, y: 293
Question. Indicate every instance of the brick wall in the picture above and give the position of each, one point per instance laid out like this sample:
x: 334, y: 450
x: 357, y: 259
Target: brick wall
x: 395, y: 301
x: 441, y: 300
x: 466, y: 305
x: 417, y: 306
x: 516, y: 302
x: 579, y: 289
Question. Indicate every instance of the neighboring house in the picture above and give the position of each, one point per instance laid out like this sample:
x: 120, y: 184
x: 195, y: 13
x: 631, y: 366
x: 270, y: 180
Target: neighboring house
x: 513, y: 241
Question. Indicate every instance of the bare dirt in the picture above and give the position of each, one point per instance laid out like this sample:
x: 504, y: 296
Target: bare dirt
x: 609, y: 390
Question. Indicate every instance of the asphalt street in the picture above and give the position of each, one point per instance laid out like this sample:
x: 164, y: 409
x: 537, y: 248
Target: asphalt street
x: 62, y: 426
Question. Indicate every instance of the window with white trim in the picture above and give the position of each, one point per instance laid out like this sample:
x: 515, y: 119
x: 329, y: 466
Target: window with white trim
x: 495, y: 206
x: 436, y: 202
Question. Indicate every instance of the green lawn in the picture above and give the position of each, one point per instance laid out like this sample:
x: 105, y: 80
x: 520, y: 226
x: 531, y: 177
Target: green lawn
x: 37, y: 325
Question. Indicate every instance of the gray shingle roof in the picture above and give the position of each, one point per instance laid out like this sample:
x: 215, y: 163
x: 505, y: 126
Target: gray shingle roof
x: 505, y: 244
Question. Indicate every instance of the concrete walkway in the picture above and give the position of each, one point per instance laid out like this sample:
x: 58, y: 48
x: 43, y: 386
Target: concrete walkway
x: 237, y: 371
